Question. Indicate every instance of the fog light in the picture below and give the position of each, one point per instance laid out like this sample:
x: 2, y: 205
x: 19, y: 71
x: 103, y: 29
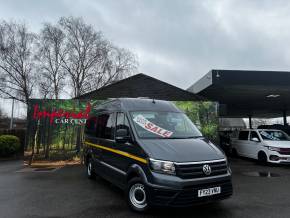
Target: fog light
x: 274, y: 157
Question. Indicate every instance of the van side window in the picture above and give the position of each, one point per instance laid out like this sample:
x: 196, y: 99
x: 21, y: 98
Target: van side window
x: 105, y: 126
x: 243, y: 135
x: 254, y: 135
x: 122, y: 122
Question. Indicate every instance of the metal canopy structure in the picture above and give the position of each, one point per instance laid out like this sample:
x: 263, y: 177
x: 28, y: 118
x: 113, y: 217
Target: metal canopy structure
x: 141, y: 85
x: 264, y: 94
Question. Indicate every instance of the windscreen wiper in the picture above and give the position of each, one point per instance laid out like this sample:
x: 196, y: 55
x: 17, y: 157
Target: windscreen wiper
x: 189, y: 137
x: 195, y: 137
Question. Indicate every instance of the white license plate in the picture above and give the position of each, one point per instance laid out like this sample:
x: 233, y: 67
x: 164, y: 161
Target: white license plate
x: 209, y: 191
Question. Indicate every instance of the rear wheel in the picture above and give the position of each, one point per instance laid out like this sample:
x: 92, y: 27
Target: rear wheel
x: 90, y: 170
x: 137, y: 195
x: 262, y: 157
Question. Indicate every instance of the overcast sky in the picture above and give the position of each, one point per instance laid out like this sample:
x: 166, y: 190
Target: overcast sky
x: 178, y: 41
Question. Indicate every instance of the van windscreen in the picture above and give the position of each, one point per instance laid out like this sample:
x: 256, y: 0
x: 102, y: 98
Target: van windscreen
x: 274, y: 135
x: 169, y: 125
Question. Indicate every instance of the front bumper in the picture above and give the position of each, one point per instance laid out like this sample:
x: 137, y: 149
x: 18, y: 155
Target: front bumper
x: 276, y: 157
x: 185, y: 192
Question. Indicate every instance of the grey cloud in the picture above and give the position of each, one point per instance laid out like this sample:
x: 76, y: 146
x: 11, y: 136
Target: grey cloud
x: 179, y: 41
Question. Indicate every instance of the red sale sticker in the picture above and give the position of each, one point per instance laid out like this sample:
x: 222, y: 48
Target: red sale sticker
x: 151, y: 127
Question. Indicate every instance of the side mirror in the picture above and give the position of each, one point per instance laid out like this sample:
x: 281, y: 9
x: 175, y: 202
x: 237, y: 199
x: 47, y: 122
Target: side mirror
x: 122, y: 135
x: 255, y: 139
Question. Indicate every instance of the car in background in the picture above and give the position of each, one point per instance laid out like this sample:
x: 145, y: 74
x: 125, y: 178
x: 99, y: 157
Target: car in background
x: 265, y: 145
x: 284, y: 128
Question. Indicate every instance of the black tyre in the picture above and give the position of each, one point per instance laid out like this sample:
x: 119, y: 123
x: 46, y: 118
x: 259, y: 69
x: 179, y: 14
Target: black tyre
x: 262, y: 157
x: 90, y: 170
x: 137, y: 196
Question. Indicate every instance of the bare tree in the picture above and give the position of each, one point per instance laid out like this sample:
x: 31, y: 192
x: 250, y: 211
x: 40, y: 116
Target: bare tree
x: 51, y: 50
x: 70, y: 53
x: 90, y: 60
x: 1, y: 113
x: 117, y: 64
x: 45, y: 88
x: 83, y: 50
x: 16, y: 61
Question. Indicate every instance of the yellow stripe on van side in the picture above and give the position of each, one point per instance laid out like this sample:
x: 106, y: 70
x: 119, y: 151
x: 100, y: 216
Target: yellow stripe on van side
x: 142, y: 160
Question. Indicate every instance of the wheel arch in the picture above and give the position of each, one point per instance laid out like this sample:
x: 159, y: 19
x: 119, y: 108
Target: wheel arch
x: 134, y: 171
x: 262, y: 152
x: 87, y: 156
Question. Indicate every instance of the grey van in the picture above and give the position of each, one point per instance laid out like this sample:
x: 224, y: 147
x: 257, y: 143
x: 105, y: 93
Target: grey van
x: 151, y: 150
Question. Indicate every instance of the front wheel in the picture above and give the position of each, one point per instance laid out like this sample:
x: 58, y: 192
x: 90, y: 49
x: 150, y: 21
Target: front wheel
x: 262, y: 157
x: 137, y: 195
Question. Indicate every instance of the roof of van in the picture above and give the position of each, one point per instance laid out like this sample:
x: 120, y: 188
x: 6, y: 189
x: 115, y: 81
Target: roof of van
x: 137, y: 104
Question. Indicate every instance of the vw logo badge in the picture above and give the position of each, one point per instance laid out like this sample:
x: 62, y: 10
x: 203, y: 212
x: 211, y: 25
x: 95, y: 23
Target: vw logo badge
x: 206, y: 169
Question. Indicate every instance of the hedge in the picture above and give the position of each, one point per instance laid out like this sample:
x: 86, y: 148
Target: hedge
x: 20, y: 133
x: 9, y: 145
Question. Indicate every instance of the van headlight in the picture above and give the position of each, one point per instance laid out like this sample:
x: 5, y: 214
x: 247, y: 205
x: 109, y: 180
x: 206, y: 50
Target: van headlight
x: 273, y: 148
x: 228, y: 166
x: 160, y: 166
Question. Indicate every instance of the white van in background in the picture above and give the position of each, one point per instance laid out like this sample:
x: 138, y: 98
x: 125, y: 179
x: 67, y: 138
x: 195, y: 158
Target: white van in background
x: 265, y: 145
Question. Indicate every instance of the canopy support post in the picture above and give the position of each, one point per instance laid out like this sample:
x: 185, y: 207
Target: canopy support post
x: 285, y: 117
x: 250, y: 122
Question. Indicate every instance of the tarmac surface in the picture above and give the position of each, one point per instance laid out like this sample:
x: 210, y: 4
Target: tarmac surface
x: 259, y: 191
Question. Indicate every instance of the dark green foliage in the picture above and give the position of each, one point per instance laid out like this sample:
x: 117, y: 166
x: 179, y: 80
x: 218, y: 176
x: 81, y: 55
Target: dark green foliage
x: 20, y: 133
x: 204, y: 115
x: 9, y: 145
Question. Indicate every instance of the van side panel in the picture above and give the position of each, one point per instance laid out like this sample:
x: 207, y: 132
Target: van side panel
x: 93, y: 153
x: 112, y: 162
x: 111, y: 159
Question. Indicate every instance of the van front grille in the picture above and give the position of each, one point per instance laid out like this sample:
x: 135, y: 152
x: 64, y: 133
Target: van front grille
x: 284, y: 151
x: 195, y: 170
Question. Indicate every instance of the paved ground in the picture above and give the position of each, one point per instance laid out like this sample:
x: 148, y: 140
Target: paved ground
x: 68, y: 193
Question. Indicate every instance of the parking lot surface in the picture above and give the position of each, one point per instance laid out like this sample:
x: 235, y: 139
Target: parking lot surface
x: 259, y: 191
